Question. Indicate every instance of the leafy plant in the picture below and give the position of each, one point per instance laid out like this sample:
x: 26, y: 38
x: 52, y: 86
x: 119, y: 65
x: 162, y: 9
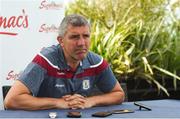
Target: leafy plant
x: 139, y: 38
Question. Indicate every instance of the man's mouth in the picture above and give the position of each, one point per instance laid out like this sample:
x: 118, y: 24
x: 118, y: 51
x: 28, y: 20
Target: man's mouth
x: 81, y: 51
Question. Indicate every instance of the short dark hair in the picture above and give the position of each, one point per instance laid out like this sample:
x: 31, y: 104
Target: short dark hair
x: 74, y: 20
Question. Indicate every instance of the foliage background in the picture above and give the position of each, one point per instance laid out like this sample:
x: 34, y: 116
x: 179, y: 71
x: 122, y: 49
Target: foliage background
x: 139, y: 38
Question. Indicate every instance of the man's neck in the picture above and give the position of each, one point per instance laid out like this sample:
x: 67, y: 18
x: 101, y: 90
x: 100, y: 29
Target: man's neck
x: 73, y: 65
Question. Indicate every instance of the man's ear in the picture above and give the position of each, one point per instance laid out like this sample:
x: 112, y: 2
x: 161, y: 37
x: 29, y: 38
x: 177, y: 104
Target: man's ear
x: 60, y: 40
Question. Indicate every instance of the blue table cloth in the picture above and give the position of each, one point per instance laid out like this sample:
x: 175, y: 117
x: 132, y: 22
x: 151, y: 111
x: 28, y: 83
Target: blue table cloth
x: 166, y: 108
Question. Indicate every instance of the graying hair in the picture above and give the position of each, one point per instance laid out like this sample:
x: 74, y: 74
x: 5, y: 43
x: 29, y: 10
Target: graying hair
x: 74, y: 20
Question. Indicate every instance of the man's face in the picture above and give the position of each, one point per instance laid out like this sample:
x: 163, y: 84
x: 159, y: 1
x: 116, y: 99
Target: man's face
x: 75, y: 43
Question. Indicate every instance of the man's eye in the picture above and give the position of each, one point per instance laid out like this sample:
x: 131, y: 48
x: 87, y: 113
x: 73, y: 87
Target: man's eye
x: 86, y: 36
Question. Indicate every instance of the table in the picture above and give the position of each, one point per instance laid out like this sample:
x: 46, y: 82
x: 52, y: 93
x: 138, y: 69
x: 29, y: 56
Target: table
x: 166, y: 108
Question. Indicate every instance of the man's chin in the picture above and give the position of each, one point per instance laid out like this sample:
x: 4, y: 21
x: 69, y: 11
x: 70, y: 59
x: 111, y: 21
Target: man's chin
x: 81, y: 57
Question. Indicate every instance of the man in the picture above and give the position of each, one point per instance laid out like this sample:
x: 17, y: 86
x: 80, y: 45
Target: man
x: 64, y: 75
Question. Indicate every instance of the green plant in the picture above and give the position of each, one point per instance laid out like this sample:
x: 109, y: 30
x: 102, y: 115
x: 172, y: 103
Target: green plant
x: 139, y: 38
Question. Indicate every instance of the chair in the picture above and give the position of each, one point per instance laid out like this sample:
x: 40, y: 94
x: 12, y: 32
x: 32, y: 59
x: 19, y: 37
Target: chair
x: 5, y: 90
x: 124, y: 87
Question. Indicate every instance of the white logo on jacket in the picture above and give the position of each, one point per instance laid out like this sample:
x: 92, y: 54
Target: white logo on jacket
x: 86, y: 84
x: 59, y: 85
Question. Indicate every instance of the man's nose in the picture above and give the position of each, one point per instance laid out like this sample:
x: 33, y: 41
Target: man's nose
x: 81, y: 41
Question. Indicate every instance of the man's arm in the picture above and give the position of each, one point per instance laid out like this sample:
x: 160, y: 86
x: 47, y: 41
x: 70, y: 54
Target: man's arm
x: 19, y: 97
x: 116, y: 96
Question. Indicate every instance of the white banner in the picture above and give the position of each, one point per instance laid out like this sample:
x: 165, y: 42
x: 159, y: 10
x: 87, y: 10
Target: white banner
x: 26, y: 26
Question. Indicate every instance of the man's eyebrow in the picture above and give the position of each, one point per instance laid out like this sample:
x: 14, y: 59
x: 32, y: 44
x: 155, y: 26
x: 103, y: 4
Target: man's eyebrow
x: 75, y: 35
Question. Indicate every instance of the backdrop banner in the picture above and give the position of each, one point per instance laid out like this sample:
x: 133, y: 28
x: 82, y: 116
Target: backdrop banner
x: 26, y: 26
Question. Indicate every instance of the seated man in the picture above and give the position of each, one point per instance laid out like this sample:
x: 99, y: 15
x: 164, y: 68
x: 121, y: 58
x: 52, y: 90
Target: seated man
x: 62, y: 76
